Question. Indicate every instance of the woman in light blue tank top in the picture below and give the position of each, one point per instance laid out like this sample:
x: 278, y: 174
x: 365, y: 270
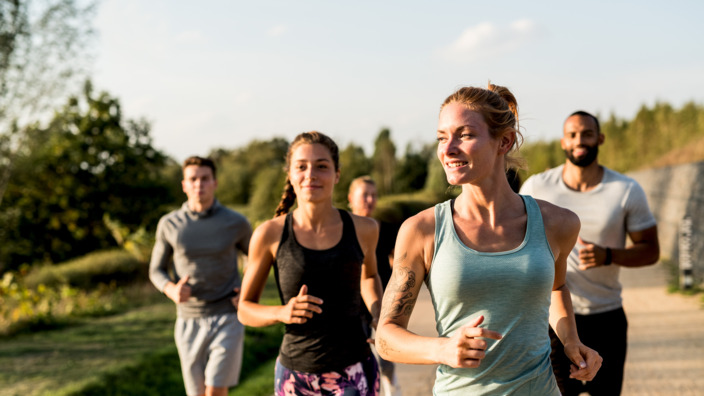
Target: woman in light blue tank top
x: 494, y: 263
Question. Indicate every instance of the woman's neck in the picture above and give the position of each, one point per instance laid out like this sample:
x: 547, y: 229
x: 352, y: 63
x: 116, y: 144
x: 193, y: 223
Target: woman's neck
x: 315, y: 216
x: 488, y: 204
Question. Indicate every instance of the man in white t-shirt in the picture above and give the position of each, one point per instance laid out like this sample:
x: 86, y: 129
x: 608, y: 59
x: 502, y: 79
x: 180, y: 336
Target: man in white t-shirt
x: 610, y: 207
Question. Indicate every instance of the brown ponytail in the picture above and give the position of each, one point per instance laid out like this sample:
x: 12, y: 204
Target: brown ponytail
x: 499, y: 108
x: 287, y: 199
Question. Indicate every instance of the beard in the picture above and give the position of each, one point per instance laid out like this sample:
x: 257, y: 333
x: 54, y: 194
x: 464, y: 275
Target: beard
x: 587, y: 159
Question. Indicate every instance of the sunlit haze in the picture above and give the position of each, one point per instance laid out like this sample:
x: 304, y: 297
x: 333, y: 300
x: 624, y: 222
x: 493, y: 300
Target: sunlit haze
x: 214, y: 74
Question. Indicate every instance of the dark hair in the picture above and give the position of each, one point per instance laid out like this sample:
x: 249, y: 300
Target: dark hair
x: 499, y: 108
x: 583, y: 113
x: 289, y: 196
x: 200, y: 161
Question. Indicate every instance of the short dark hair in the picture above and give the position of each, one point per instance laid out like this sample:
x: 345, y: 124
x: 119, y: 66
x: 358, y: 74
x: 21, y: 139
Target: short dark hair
x: 200, y: 161
x: 583, y: 113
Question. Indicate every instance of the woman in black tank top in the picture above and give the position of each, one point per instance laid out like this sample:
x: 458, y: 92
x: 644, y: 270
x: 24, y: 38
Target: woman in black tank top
x: 325, y: 267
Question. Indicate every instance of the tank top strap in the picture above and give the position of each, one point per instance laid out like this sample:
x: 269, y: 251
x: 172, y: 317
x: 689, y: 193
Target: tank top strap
x: 535, y: 229
x: 349, y: 232
x: 288, y: 227
x: 443, y: 224
x: 347, y: 224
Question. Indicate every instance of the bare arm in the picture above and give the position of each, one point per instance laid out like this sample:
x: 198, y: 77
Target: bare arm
x: 562, y: 227
x: 413, y: 253
x: 261, y: 257
x: 645, y: 250
x: 370, y: 283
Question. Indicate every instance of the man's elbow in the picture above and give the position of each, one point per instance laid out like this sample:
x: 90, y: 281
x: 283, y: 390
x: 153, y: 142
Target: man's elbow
x: 653, y: 255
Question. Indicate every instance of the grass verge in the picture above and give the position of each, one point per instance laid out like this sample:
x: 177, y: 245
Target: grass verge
x: 132, y: 353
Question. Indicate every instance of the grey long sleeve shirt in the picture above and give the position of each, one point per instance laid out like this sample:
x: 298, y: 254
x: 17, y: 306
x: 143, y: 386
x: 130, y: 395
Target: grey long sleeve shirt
x: 204, y: 246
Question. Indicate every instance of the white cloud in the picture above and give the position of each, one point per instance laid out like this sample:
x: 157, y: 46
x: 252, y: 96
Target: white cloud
x: 489, y: 40
x: 276, y: 31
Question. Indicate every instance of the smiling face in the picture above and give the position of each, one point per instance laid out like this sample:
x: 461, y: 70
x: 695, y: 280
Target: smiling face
x: 466, y: 149
x: 312, y: 172
x: 581, y: 140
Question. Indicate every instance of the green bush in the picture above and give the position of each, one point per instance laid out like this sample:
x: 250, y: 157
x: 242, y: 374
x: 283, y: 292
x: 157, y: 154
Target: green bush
x: 116, y: 266
x: 397, y: 208
x: 25, y: 309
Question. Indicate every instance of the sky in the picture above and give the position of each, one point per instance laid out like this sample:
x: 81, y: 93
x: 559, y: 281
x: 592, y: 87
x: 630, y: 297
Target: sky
x: 219, y: 73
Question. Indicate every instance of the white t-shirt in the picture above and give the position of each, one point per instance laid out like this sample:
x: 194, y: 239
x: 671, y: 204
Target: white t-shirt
x: 613, y: 208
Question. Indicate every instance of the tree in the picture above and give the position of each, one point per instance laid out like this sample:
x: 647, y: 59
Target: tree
x: 384, y: 162
x: 353, y: 163
x: 436, y: 184
x: 412, y: 169
x: 239, y: 169
x: 86, y: 166
x: 43, y: 51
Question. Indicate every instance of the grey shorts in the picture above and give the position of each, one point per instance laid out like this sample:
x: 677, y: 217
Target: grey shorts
x: 210, y: 350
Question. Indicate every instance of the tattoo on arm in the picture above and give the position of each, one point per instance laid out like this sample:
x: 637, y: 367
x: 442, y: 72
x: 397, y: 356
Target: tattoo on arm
x: 384, y: 346
x: 399, y: 299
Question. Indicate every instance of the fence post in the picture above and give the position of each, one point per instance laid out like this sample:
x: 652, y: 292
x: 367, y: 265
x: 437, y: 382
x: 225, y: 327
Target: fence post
x: 686, y: 265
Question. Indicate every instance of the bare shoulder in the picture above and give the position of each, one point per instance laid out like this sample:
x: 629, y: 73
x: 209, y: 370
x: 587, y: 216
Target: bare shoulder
x: 421, y: 224
x: 269, y: 232
x: 560, y: 223
x: 364, y: 224
x: 367, y: 230
x: 416, y: 239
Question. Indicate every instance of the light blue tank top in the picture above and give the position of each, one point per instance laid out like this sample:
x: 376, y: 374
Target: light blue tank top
x: 512, y: 290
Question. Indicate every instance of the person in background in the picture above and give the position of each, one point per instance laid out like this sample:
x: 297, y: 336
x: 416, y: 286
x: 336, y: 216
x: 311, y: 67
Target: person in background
x: 610, y: 206
x: 362, y: 197
x: 325, y: 267
x: 194, y: 263
x: 494, y: 264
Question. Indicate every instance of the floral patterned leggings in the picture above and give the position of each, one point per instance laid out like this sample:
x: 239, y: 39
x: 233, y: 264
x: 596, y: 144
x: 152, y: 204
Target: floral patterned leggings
x: 359, y: 379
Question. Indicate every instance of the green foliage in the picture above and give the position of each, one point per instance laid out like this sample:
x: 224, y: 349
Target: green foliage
x: 541, y: 156
x: 88, y: 162
x: 412, y: 169
x: 62, y: 361
x: 156, y: 373
x: 259, y: 383
x: 267, y: 189
x: 87, y: 272
x: 650, y: 135
x: 44, y: 307
x: 43, y: 55
x: 252, y: 177
x: 436, y: 183
x: 159, y: 373
x: 633, y: 144
x: 82, y: 359
x: 238, y: 169
x: 397, y: 208
x: 353, y: 163
x: 384, y: 162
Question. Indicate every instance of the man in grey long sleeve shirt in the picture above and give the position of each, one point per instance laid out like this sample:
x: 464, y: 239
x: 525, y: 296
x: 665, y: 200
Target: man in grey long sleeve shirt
x: 194, y: 263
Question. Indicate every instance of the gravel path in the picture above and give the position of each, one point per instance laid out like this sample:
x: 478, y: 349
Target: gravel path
x: 666, y: 339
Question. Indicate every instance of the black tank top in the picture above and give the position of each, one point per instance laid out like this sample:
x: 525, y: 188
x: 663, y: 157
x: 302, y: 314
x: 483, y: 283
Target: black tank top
x: 334, y: 339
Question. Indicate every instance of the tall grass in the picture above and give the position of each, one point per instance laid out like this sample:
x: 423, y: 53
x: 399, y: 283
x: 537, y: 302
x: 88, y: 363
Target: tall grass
x: 87, y: 272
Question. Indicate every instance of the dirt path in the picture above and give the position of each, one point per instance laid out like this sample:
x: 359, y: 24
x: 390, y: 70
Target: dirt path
x: 666, y: 339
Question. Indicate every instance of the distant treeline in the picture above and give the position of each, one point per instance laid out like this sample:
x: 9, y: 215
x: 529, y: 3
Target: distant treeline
x: 640, y: 143
x: 92, y: 180
x: 251, y: 178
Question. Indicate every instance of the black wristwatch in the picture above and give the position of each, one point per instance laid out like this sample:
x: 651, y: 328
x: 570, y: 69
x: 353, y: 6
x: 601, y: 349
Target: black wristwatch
x: 607, y: 260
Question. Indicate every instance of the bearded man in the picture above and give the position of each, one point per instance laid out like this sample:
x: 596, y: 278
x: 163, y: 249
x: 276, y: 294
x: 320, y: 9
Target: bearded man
x: 610, y: 207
